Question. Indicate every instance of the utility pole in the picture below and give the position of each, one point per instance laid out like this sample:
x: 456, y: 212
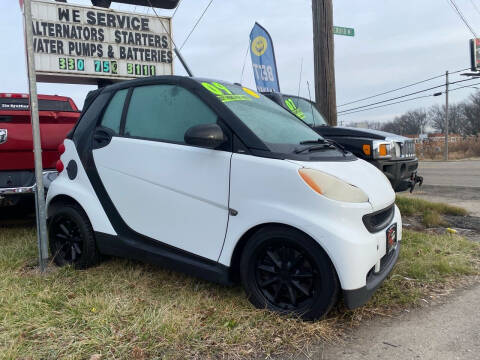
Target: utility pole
x: 446, y: 117
x: 37, y: 145
x: 323, y: 53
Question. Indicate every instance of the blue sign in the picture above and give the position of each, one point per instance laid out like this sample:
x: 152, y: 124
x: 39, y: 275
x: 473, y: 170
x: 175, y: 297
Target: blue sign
x: 263, y: 60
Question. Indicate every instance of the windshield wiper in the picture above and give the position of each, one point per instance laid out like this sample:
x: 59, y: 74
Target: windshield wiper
x: 310, y: 142
x: 318, y: 146
x: 341, y: 147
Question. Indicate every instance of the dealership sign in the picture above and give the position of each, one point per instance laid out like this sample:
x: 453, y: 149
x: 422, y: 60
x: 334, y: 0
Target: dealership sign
x: 77, y: 44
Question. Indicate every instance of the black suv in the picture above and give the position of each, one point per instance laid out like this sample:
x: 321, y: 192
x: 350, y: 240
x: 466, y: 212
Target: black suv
x: 394, y: 155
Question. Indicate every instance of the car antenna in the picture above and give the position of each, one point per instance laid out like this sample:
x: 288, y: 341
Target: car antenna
x: 311, y: 104
x: 175, y: 49
x: 299, y: 82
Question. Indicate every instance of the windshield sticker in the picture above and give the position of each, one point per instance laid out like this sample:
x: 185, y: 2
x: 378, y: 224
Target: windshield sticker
x: 294, y: 109
x: 251, y: 93
x: 223, y: 93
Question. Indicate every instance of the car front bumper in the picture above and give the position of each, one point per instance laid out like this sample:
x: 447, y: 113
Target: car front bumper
x: 400, y: 172
x: 358, y: 297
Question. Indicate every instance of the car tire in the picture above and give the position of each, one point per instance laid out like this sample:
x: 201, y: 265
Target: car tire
x: 286, y: 271
x: 71, y: 238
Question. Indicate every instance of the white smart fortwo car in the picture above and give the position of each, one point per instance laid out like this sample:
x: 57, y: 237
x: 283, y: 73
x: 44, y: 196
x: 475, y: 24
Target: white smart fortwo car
x: 218, y: 181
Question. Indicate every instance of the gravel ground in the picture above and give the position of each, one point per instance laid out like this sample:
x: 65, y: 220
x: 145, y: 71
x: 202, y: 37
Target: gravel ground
x: 441, y: 332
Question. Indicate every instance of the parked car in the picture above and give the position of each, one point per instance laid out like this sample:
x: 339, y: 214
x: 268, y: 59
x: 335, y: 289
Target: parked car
x: 394, y: 155
x: 218, y: 181
x: 57, y: 115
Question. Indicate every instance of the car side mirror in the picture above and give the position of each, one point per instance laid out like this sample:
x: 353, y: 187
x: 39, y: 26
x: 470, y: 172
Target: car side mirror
x: 210, y: 136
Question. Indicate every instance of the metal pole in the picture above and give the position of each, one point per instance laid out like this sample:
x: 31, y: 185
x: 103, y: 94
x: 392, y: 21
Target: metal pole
x: 182, y: 60
x: 37, y: 144
x: 446, y: 118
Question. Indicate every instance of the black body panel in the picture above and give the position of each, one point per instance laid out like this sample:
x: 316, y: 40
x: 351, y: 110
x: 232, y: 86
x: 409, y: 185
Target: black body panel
x: 151, y: 251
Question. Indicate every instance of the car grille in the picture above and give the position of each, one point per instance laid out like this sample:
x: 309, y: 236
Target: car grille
x: 379, y: 220
x: 404, y: 150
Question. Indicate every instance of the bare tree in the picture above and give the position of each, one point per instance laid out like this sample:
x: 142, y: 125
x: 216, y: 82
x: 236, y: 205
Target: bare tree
x: 411, y: 123
x: 456, y: 118
x: 471, y: 112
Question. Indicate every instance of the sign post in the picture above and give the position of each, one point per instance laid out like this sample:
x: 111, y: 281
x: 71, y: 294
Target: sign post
x: 73, y: 44
x: 37, y: 145
x: 345, y: 31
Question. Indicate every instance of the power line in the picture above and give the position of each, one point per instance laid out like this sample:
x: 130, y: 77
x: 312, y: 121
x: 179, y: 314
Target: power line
x: 385, y: 105
x: 195, y: 26
x: 466, y: 86
x: 169, y: 33
x: 475, y: 6
x: 390, y: 91
x: 401, y: 88
x: 403, y: 101
x: 176, y: 9
x: 402, y: 96
x: 462, y: 17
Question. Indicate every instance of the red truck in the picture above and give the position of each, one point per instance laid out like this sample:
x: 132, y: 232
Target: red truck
x: 58, y: 115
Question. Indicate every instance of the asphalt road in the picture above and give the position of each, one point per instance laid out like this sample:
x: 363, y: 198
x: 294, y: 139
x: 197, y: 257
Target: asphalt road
x: 453, y: 182
x: 452, y: 173
x: 442, y: 332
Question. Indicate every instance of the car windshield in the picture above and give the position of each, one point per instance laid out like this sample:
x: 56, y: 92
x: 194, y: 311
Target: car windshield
x: 304, y: 110
x: 274, y: 125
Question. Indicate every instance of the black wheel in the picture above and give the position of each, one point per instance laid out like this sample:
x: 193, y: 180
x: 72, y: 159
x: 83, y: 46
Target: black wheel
x: 71, y: 237
x: 286, y: 271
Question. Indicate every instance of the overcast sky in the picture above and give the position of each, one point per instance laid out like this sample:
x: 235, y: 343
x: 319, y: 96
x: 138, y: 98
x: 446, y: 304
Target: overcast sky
x: 396, y: 43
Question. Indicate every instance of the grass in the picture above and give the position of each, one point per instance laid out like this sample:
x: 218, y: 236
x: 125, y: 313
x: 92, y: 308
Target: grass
x: 128, y: 310
x: 431, y: 212
x: 427, y: 262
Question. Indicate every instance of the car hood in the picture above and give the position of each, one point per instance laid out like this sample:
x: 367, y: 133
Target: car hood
x: 358, y: 132
x: 361, y: 174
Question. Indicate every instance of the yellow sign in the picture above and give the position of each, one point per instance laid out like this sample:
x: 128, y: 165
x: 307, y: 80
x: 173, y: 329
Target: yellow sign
x: 259, y: 45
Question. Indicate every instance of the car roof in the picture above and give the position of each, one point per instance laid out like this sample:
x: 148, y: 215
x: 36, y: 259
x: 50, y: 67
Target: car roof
x: 153, y: 79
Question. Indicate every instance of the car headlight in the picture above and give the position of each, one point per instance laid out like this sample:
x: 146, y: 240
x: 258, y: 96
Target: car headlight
x: 382, y: 149
x: 332, y: 187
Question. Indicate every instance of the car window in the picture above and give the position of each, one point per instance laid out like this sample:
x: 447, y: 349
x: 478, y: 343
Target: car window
x: 113, y: 114
x: 272, y: 123
x: 165, y: 112
x: 304, y: 110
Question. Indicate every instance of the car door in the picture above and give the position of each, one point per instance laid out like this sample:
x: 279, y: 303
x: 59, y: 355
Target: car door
x: 161, y: 187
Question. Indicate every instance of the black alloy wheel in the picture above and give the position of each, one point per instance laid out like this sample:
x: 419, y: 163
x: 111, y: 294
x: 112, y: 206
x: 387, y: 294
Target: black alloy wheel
x: 71, y: 237
x: 286, y: 271
x: 67, y: 238
x: 286, y: 276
